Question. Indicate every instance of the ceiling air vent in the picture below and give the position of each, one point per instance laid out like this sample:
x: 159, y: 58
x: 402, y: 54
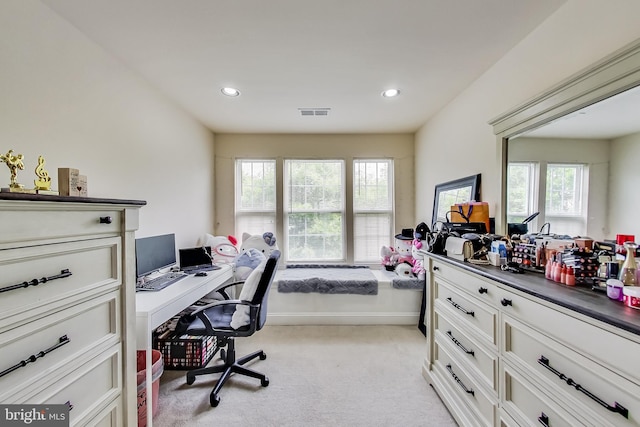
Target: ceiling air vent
x: 314, y: 111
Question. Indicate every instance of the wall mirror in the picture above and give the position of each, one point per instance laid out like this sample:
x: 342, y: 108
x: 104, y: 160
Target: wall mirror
x: 449, y: 193
x: 572, y: 153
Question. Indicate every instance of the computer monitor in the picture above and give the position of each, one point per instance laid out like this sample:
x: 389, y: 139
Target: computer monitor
x: 155, y: 253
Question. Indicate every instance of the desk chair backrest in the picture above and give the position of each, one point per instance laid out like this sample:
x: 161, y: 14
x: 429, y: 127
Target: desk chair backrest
x: 262, y: 292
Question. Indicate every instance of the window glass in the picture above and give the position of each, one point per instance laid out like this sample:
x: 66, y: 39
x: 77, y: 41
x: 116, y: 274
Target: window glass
x: 372, y: 207
x: 255, y: 196
x: 314, y: 210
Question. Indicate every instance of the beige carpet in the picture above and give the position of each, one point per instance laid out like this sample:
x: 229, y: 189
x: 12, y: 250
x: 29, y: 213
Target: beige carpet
x: 319, y: 376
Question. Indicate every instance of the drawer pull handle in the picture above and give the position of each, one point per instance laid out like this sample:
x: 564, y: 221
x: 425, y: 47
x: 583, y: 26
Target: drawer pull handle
x: 436, y: 268
x: 505, y: 302
x: 459, y: 381
x: 69, y: 404
x: 483, y: 290
x: 459, y: 344
x: 105, y: 220
x: 61, y: 341
x: 63, y: 273
x: 543, y: 419
x: 459, y: 307
x: 616, y: 406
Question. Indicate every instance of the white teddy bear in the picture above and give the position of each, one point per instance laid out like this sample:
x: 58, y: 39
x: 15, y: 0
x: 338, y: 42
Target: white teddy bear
x: 253, y: 250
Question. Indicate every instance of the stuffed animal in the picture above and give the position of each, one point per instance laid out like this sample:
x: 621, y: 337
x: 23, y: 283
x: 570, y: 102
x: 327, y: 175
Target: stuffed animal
x: 223, y: 249
x: 247, y: 261
x: 403, y: 269
x: 403, y: 244
x: 265, y: 244
x: 389, y: 257
x: 418, y: 264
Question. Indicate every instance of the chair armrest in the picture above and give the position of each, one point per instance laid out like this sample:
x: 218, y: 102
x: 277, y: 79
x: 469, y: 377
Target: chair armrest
x: 224, y: 292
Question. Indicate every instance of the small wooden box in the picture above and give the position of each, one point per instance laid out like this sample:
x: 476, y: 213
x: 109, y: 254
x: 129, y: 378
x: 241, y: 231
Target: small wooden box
x: 82, y: 186
x: 68, y: 181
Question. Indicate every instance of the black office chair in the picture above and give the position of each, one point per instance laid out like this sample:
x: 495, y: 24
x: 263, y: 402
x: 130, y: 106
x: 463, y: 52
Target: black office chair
x: 215, y: 320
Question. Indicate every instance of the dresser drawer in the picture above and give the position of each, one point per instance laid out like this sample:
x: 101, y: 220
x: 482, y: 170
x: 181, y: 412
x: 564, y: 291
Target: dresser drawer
x: 479, y: 317
x: 87, y: 327
x: 531, y: 406
x: 111, y: 416
x: 582, y: 336
x: 479, y: 288
x: 482, y: 361
x: 456, y: 377
x: 92, y: 263
x: 46, y: 223
x: 564, y: 371
x: 88, y: 389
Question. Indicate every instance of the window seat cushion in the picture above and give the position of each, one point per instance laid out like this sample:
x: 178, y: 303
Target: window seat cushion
x: 327, y: 279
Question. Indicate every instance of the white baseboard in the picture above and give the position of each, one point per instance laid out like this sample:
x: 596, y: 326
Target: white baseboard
x: 342, y: 318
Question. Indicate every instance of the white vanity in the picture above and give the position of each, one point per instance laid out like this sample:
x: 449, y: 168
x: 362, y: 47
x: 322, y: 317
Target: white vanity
x: 518, y: 350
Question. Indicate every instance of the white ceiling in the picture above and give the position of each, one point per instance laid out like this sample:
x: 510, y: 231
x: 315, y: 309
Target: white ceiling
x: 611, y: 118
x: 289, y: 54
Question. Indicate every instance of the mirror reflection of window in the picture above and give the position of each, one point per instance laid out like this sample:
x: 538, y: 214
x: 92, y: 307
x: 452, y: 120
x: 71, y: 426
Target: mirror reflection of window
x: 522, y: 196
x: 448, y: 198
x: 559, y: 197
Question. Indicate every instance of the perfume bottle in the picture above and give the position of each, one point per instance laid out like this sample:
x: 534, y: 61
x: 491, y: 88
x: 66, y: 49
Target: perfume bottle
x: 629, y: 267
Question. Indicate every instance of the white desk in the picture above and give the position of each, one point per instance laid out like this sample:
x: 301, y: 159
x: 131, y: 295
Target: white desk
x: 155, y: 308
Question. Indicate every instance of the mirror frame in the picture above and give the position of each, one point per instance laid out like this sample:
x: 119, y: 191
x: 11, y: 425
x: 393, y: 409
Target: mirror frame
x: 610, y: 76
x: 473, y: 181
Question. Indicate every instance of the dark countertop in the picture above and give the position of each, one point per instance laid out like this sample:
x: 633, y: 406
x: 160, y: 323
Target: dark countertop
x: 579, y: 298
x: 72, y: 199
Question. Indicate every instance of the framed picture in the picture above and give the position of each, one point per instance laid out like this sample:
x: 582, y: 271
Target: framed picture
x: 449, y: 193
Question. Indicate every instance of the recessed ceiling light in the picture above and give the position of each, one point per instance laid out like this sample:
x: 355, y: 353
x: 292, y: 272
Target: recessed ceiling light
x: 230, y: 91
x: 390, y: 93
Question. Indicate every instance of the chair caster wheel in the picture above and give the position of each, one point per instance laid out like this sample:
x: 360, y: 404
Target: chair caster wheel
x: 263, y: 356
x: 191, y: 379
x: 264, y: 382
x: 214, y: 400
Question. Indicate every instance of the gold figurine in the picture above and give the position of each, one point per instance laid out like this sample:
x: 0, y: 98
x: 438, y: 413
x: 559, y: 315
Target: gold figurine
x: 14, y: 163
x: 43, y: 183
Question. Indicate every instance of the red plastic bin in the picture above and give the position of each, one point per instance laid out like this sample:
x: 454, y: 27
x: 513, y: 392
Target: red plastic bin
x: 157, y: 369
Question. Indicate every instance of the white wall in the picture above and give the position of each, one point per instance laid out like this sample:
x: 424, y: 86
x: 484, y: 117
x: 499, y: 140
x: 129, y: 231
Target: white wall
x: 624, y: 186
x: 458, y: 141
x: 399, y: 147
x: 64, y: 97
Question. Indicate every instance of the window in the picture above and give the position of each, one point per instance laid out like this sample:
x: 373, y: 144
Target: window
x: 255, y: 196
x: 521, y: 185
x: 558, y: 198
x: 564, y: 193
x: 372, y: 208
x: 314, y: 210
x: 310, y: 217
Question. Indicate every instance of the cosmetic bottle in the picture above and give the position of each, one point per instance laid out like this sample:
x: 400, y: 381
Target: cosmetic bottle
x: 570, y: 279
x: 557, y: 272
x: 629, y: 266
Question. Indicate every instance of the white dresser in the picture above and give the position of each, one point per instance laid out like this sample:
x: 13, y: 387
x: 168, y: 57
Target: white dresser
x: 518, y: 350
x: 67, y: 305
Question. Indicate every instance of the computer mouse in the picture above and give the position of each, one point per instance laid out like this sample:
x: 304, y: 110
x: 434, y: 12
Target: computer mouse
x: 201, y: 273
